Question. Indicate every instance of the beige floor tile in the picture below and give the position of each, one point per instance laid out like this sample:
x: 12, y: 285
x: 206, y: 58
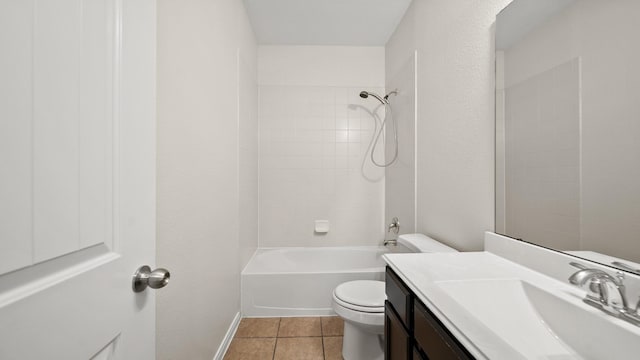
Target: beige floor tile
x: 332, y: 326
x: 299, y: 327
x: 258, y: 327
x: 333, y: 348
x: 251, y: 349
x: 301, y: 348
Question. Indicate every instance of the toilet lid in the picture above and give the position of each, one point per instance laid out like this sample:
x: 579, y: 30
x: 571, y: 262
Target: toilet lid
x: 362, y: 293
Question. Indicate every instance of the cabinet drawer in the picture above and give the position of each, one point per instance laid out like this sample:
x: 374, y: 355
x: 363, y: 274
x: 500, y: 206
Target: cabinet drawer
x: 398, y: 341
x: 433, y: 338
x: 400, y: 297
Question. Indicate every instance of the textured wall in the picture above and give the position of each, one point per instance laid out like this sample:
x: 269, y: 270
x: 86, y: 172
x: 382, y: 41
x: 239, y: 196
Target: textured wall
x: 455, y: 126
x: 201, y: 166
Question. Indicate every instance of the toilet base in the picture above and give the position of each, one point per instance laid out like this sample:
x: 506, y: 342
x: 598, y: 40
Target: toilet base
x: 362, y: 342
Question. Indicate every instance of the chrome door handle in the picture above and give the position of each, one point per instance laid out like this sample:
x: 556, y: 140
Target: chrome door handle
x: 155, y: 279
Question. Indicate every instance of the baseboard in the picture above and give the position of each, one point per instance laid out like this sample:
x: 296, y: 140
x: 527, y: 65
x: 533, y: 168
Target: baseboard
x: 224, y: 346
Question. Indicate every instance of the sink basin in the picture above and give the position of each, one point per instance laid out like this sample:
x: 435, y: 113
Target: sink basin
x: 540, y: 324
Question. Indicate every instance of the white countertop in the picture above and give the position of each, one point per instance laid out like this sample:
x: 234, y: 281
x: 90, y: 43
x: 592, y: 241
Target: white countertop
x: 425, y: 274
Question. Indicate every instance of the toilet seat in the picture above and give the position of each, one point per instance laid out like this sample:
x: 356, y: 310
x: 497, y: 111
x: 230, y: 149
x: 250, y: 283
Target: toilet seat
x: 362, y: 309
x: 361, y: 295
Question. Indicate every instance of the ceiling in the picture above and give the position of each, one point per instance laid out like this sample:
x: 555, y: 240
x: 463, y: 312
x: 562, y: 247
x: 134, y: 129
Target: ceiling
x: 523, y: 16
x: 325, y: 22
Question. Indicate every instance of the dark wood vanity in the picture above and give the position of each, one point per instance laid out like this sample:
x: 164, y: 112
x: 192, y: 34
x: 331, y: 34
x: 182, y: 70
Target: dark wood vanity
x: 411, y: 330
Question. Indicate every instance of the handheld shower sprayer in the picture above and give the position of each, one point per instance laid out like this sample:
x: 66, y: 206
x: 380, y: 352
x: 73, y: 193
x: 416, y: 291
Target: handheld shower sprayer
x: 366, y: 94
x: 388, y: 114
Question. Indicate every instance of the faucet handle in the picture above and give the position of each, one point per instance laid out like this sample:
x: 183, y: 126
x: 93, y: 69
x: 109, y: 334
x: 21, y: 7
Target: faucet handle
x: 599, y: 286
x: 597, y: 290
x: 394, y: 226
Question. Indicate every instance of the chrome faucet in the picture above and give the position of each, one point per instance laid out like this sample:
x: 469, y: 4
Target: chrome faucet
x: 393, y: 242
x: 606, y: 293
x: 395, y: 227
x: 599, y: 289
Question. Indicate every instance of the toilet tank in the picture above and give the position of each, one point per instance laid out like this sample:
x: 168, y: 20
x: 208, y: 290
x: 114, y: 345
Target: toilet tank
x: 420, y: 243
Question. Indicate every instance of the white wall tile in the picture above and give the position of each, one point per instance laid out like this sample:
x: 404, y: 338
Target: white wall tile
x: 322, y: 150
x: 322, y: 66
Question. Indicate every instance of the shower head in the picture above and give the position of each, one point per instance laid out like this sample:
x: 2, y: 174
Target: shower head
x: 366, y: 94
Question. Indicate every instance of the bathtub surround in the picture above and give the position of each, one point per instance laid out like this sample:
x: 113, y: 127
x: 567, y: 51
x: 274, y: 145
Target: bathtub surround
x: 400, y: 177
x: 315, y: 132
x: 455, y: 130
x: 248, y: 143
x: 207, y: 171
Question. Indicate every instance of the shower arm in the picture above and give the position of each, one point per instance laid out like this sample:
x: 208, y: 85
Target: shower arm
x: 394, y: 92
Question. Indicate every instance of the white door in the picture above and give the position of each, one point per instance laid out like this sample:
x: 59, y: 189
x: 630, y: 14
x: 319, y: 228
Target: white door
x: 77, y: 178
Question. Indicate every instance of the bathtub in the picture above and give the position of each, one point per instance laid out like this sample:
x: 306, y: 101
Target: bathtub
x: 300, y: 281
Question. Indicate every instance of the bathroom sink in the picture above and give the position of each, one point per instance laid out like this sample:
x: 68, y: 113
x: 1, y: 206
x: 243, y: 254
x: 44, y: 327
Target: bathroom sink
x: 541, y: 324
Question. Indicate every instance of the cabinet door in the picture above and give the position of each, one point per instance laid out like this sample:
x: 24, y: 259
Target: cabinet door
x: 400, y: 297
x: 417, y: 355
x: 398, y: 342
x: 434, y: 339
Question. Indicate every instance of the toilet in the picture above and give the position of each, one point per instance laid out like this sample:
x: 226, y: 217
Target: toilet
x: 360, y: 304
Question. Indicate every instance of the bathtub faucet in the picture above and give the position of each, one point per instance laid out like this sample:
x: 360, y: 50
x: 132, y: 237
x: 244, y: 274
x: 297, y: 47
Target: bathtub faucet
x: 390, y: 242
x: 394, y: 226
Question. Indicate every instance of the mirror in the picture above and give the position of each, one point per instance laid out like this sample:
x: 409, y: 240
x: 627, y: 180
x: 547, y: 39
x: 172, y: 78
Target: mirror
x: 568, y: 127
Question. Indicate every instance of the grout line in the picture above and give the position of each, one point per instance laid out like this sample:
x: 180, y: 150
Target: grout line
x: 302, y: 336
x: 275, y: 346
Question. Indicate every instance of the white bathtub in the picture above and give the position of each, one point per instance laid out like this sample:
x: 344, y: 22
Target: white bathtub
x: 300, y: 281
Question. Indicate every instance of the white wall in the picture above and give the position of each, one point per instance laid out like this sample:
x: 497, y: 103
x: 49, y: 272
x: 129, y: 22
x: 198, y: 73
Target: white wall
x: 315, y: 131
x: 206, y: 58
x: 455, y: 126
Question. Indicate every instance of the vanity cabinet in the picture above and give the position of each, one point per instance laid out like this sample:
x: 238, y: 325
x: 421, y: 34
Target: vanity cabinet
x: 398, y: 341
x: 412, y: 332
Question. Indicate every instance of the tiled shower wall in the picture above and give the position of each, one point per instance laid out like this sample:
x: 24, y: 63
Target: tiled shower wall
x: 315, y: 134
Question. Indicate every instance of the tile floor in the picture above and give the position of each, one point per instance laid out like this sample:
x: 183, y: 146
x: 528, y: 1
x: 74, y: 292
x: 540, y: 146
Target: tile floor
x: 303, y: 338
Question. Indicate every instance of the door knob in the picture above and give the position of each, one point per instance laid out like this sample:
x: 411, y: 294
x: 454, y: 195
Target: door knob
x: 155, y: 279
